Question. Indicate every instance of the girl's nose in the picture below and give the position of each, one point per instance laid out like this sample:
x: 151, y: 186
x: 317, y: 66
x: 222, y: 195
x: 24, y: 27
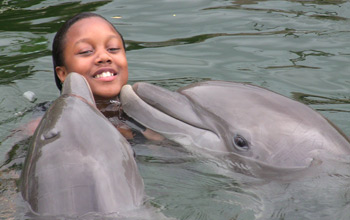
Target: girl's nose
x: 103, y: 57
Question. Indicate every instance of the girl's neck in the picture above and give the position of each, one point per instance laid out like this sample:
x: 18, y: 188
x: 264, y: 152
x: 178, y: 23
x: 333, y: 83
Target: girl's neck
x: 109, y: 107
x: 102, y: 102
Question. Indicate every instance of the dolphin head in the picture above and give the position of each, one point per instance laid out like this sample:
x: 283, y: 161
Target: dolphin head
x: 78, y: 162
x: 244, y: 121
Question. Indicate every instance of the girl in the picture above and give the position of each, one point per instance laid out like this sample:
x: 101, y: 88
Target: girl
x: 91, y: 46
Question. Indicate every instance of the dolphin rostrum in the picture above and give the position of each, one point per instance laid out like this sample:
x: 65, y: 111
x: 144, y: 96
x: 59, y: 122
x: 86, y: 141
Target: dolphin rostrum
x: 257, y: 129
x: 78, y: 162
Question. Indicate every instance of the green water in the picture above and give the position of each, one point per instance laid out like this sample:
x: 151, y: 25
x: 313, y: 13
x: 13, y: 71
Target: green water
x: 300, y: 49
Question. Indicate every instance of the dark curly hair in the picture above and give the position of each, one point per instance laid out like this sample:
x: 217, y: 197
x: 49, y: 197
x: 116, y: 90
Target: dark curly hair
x: 59, y: 41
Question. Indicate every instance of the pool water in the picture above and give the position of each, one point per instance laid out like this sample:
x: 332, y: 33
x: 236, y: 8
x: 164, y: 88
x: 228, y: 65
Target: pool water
x: 298, y: 48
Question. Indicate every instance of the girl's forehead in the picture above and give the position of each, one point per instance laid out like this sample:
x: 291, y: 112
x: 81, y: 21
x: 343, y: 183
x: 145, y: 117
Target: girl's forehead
x: 89, y: 25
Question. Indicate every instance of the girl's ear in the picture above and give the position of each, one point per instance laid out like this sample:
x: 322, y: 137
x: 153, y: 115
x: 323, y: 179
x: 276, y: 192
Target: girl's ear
x: 61, y: 73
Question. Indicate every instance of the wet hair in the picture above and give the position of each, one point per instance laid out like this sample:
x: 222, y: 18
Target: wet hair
x: 58, y: 44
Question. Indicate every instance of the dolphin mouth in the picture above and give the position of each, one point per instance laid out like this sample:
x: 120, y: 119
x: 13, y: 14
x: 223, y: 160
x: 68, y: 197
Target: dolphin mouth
x: 174, y: 104
x: 79, y: 87
x: 167, y: 113
x: 158, y: 101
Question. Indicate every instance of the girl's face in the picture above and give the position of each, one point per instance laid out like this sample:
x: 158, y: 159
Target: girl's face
x: 95, y: 50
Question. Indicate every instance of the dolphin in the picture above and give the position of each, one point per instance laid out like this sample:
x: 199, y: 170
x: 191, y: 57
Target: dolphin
x: 259, y: 132
x: 78, y: 162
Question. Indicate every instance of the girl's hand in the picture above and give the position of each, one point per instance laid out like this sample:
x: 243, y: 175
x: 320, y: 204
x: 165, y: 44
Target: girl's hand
x: 126, y: 132
x: 152, y: 135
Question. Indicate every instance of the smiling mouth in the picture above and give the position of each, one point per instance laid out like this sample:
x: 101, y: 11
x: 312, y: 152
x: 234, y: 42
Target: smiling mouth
x: 105, y: 74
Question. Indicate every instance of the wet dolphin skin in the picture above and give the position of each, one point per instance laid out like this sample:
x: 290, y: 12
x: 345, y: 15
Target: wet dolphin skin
x: 78, y: 162
x: 250, y: 125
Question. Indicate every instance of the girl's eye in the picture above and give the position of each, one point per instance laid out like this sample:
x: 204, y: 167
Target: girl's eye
x: 85, y: 52
x: 113, y: 49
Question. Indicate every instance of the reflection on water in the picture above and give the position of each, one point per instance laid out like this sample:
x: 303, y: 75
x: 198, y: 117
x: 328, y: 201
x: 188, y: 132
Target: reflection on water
x: 30, y: 17
x: 298, y: 48
x: 174, y: 84
x: 23, y: 27
x: 135, y: 45
x: 240, y: 5
x: 315, y: 99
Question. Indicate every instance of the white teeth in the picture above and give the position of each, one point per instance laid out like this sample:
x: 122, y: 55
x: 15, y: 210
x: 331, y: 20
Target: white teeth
x: 104, y: 74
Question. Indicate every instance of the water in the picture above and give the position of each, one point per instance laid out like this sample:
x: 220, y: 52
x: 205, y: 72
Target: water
x: 297, y: 48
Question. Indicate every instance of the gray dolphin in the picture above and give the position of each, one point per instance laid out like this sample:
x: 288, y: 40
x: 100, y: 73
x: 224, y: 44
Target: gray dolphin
x: 258, y: 131
x: 78, y: 162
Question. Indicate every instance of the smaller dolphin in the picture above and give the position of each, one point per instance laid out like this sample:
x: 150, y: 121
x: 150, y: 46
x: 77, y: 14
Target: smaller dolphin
x: 78, y: 162
x: 260, y: 132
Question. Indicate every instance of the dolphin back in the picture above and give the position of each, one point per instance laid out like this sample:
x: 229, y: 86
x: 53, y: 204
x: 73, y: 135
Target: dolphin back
x: 77, y: 161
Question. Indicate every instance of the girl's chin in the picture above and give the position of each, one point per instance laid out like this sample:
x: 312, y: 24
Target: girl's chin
x: 104, y: 96
x: 106, y: 91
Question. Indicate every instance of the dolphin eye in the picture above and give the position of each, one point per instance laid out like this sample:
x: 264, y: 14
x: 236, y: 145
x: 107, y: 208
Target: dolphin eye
x: 240, y: 142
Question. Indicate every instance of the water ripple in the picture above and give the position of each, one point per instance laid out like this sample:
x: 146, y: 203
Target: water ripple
x: 239, y: 5
x: 18, y: 18
x: 136, y: 45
